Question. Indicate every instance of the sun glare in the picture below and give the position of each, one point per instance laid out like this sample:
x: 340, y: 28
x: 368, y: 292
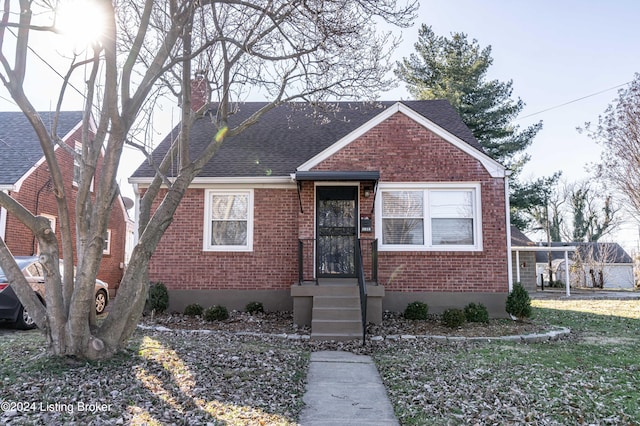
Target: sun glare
x: 81, y: 21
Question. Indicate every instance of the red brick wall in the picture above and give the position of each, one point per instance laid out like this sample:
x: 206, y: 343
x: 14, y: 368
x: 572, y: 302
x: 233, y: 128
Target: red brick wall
x: 37, y: 197
x: 180, y: 263
x: 403, y: 151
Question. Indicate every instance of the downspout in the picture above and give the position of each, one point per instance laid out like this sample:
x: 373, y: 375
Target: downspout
x: 508, y: 225
x: 47, y: 185
x: 136, y: 213
x: 3, y: 221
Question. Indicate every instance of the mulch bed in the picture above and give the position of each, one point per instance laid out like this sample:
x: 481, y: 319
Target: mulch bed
x: 392, y: 324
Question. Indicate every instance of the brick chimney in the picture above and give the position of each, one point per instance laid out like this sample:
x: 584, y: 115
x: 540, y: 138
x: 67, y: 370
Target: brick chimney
x: 199, y: 91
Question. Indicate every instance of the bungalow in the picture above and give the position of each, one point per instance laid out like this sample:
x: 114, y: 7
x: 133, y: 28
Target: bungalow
x: 309, y: 202
x: 25, y: 177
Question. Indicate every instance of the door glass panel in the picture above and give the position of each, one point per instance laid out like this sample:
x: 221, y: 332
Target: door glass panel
x: 336, y: 233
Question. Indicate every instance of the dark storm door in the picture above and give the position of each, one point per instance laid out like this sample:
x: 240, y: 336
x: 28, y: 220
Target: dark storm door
x: 336, y: 232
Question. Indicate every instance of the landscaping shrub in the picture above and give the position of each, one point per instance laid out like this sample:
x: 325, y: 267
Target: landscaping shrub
x: 216, y: 313
x: 476, y: 313
x: 193, y: 310
x: 158, y: 298
x: 453, y: 318
x: 254, y: 307
x: 416, y: 311
x: 518, y: 302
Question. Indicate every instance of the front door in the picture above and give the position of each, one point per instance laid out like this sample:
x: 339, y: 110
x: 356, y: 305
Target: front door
x: 336, y: 231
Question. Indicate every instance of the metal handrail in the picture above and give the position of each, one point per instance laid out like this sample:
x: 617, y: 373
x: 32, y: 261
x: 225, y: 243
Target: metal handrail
x: 301, y: 264
x: 362, y: 286
x: 373, y: 243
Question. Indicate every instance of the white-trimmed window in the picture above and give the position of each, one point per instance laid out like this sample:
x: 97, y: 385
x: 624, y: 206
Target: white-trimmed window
x: 77, y: 147
x: 107, y: 243
x: 228, y: 220
x: 52, y: 220
x: 77, y: 169
x: 429, y: 217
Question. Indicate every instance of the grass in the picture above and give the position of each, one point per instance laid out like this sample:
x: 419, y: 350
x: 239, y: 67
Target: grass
x: 592, y: 377
x: 162, y: 378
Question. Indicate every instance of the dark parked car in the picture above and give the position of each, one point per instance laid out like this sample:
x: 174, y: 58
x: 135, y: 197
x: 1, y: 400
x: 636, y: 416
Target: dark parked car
x: 12, y: 310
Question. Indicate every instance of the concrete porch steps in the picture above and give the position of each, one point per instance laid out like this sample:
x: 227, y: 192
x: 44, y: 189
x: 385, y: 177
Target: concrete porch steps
x: 336, y: 317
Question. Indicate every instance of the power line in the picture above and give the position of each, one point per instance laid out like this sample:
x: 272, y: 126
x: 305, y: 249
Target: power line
x: 49, y: 65
x: 575, y: 100
x: 11, y: 101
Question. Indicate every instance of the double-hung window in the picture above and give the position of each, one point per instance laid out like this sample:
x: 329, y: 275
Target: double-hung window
x: 106, y: 249
x: 429, y: 217
x: 228, y: 220
x: 77, y: 168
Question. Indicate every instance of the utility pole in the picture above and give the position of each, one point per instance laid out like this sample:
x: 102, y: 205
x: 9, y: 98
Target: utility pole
x: 549, y: 259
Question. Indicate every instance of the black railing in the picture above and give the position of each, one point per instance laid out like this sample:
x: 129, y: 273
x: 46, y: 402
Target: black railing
x: 306, y: 260
x: 362, y: 287
x: 372, y: 257
x: 309, y: 266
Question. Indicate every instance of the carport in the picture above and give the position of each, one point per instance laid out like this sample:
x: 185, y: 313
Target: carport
x: 565, y: 249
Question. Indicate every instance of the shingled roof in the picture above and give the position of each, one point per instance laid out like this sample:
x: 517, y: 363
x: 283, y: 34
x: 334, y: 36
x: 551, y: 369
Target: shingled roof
x: 19, y: 146
x: 291, y: 134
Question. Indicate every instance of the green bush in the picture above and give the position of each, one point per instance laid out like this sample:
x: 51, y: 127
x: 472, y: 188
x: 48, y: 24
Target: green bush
x: 518, y: 302
x: 216, y: 313
x: 158, y: 298
x: 193, y: 310
x: 476, y: 313
x: 254, y: 307
x: 453, y: 318
x: 416, y: 311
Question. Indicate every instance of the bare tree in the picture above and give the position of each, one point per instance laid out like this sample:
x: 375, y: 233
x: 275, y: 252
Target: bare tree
x: 287, y: 50
x: 590, y: 264
x: 618, y: 131
x: 579, y: 211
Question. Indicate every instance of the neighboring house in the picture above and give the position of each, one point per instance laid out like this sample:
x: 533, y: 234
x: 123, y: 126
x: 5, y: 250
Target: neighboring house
x: 594, y: 264
x: 25, y: 177
x: 278, y: 213
x: 523, y: 261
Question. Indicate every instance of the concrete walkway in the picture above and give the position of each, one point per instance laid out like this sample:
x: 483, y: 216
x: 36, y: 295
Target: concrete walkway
x: 345, y: 389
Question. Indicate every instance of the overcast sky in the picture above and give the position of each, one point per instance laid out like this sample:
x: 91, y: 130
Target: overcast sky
x: 556, y: 52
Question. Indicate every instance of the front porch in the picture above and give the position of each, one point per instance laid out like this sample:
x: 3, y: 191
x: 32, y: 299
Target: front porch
x: 337, y: 306
x: 332, y: 307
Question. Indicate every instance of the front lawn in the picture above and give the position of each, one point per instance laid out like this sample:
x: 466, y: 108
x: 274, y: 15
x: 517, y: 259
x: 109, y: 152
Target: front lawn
x: 218, y: 377
x: 592, y: 377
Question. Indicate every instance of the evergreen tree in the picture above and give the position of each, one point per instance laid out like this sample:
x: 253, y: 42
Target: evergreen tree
x: 456, y: 69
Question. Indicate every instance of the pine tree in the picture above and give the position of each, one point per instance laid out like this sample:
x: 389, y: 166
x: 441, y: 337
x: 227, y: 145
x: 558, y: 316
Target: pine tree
x: 456, y: 69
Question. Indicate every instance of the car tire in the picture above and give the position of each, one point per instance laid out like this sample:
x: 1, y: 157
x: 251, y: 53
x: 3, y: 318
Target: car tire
x: 24, y: 321
x: 101, y: 301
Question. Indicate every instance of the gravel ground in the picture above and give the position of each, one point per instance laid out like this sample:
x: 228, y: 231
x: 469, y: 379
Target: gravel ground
x: 242, y: 371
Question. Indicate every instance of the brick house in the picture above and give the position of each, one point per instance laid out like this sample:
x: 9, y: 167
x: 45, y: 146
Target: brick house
x: 26, y: 178
x: 306, y: 203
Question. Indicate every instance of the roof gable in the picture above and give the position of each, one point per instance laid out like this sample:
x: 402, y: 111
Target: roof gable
x: 293, y: 136
x: 472, y: 148
x: 20, y: 147
x: 519, y: 239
